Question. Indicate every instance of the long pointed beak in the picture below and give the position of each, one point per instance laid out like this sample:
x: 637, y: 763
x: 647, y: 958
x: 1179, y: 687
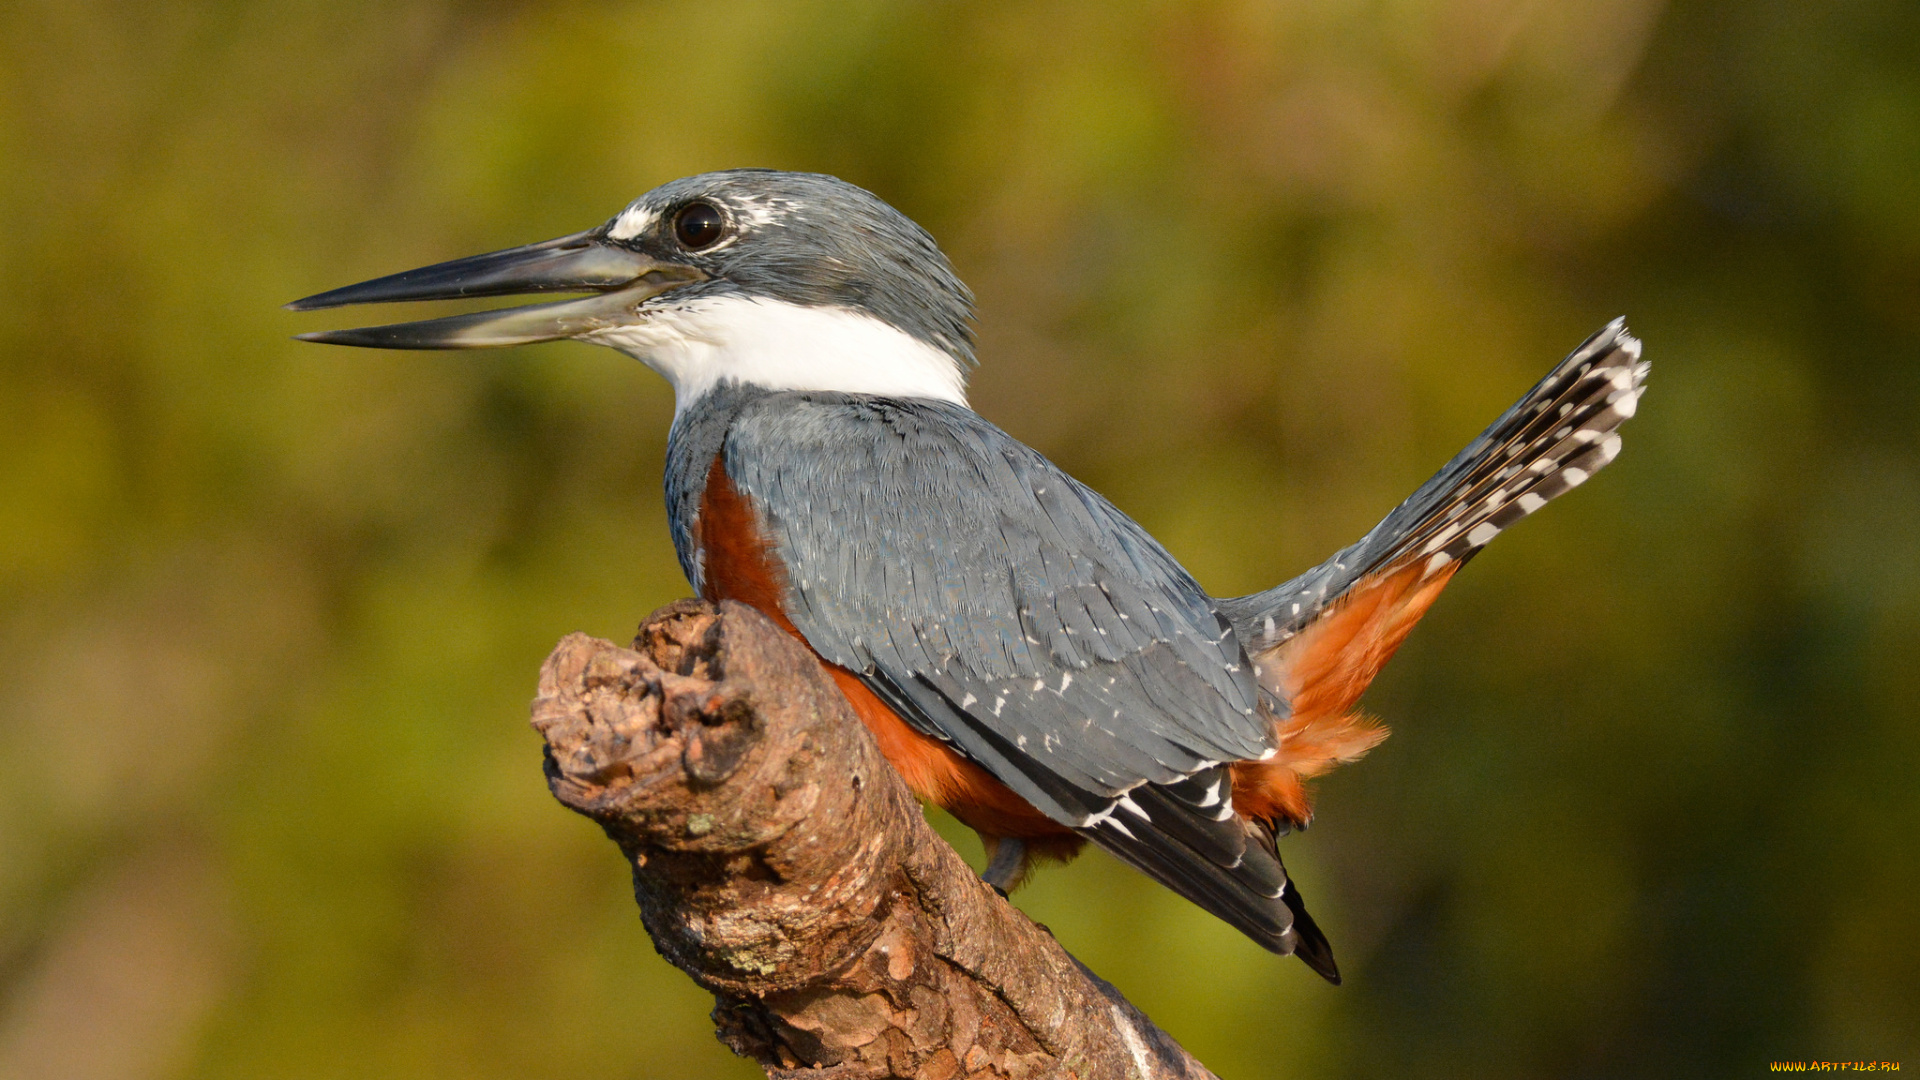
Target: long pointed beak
x: 583, y: 262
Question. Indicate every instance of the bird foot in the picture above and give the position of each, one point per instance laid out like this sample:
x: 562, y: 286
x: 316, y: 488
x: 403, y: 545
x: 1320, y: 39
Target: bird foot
x: 1003, y: 869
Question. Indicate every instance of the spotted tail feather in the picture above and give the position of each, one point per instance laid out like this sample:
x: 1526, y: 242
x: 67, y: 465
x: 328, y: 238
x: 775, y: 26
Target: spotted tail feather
x: 1318, y: 641
x: 1551, y: 441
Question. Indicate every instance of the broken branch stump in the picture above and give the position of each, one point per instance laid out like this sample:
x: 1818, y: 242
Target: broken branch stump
x: 779, y: 861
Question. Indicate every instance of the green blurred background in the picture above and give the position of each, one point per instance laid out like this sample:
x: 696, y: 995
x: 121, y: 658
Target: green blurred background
x: 272, y: 613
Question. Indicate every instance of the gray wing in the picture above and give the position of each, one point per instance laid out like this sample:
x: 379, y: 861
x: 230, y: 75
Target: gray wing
x: 927, y: 546
x: 997, y: 604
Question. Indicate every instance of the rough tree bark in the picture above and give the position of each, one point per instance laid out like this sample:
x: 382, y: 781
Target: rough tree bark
x: 779, y: 861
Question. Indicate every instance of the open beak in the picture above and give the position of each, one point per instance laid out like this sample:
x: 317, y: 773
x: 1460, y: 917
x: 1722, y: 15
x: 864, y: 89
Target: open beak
x: 583, y: 262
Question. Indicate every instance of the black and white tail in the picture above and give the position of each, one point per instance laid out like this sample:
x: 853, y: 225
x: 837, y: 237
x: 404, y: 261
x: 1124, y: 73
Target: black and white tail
x: 1563, y: 431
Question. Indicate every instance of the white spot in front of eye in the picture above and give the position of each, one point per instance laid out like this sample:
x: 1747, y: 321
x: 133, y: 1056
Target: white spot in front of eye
x: 633, y: 221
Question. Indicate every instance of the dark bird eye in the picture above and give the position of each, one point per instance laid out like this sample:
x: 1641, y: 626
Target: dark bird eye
x: 698, y: 225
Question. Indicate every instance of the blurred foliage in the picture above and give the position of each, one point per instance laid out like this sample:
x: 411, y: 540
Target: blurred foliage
x: 272, y: 612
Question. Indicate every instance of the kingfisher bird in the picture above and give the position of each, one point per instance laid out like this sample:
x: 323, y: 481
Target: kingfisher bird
x: 1027, y: 656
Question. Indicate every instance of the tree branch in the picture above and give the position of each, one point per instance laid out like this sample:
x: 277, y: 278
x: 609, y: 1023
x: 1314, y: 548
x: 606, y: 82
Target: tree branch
x: 780, y: 862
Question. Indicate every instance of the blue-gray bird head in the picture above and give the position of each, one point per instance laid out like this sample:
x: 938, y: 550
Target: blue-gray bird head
x: 792, y: 281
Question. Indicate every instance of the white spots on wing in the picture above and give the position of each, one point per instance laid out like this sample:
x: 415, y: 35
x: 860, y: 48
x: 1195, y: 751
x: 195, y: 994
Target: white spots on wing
x: 1066, y: 680
x: 1126, y: 803
x: 1212, y: 797
x: 1531, y: 502
x: 1039, y: 685
x: 997, y: 703
x: 1117, y: 826
x: 1482, y: 534
x: 1436, y: 564
x: 1609, y: 449
x: 968, y: 701
x: 1574, y: 476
